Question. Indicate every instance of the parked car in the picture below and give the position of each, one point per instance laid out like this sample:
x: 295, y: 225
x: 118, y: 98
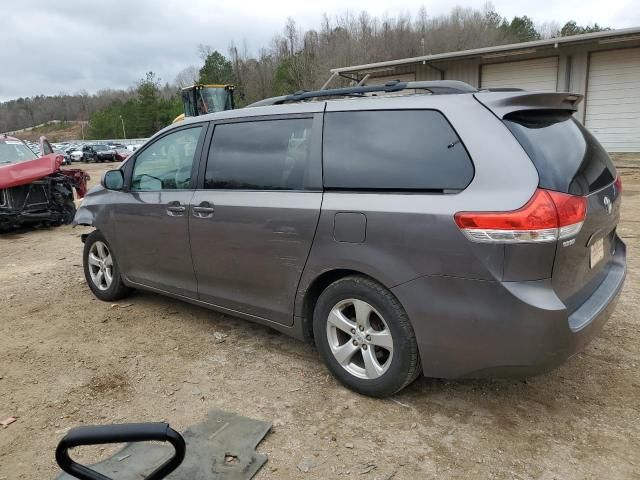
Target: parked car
x: 84, y: 154
x: 95, y: 153
x: 459, y: 234
x: 67, y: 153
x: 122, y: 154
x: 102, y: 153
x: 34, y: 190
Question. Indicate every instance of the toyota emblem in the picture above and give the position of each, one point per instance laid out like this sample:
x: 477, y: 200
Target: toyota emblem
x: 607, y: 204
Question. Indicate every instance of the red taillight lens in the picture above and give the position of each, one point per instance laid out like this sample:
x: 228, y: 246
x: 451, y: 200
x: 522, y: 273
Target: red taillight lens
x: 571, y: 209
x: 547, y: 217
x: 618, y: 184
x: 539, y: 212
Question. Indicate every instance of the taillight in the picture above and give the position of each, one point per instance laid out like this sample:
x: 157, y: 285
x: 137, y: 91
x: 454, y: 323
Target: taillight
x: 547, y: 217
x: 618, y: 185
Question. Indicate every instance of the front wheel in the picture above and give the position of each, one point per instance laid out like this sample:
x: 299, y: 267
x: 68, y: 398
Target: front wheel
x: 101, y: 269
x: 68, y: 210
x: 365, y: 338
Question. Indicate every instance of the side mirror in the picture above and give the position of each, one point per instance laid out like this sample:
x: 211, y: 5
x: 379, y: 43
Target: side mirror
x: 113, y: 180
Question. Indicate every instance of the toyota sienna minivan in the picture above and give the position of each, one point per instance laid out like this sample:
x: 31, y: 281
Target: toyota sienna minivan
x: 440, y: 230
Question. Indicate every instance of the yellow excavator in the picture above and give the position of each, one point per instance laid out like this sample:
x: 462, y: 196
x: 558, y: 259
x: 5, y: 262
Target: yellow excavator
x: 201, y: 99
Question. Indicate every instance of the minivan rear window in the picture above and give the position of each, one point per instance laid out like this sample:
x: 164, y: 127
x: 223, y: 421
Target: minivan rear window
x: 393, y: 150
x: 567, y: 156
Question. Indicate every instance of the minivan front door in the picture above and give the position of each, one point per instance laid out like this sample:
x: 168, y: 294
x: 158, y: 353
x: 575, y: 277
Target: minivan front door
x: 252, y: 226
x: 152, y: 216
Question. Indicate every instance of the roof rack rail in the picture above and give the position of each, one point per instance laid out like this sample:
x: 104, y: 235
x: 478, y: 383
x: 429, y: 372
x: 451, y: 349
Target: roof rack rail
x: 436, y: 87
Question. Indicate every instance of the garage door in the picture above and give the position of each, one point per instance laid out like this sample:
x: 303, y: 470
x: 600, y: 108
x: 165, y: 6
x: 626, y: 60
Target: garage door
x: 539, y: 75
x: 613, y: 99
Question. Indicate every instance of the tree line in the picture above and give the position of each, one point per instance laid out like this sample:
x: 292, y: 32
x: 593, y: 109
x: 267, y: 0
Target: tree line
x: 151, y: 108
x: 295, y: 59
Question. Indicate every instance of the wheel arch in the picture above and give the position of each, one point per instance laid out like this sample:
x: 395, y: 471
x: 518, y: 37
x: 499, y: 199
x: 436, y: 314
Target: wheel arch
x: 309, y: 298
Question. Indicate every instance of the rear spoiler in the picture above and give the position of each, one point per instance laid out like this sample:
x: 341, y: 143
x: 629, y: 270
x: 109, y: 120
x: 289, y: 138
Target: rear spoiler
x: 504, y: 103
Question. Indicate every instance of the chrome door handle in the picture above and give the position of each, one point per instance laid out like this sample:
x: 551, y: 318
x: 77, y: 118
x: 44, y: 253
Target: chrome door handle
x: 175, y: 210
x: 204, y: 210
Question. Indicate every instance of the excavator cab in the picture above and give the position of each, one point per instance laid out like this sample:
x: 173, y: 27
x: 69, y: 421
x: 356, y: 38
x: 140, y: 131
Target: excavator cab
x: 201, y: 99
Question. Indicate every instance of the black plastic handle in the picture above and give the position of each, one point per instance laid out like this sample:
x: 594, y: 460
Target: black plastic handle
x: 128, y: 432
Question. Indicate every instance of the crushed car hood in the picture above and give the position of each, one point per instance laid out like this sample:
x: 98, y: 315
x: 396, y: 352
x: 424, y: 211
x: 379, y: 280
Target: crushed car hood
x: 23, y: 173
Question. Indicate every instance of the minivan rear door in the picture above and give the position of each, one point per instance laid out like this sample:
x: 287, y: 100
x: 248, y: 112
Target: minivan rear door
x: 254, y: 218
x: 570, y: 160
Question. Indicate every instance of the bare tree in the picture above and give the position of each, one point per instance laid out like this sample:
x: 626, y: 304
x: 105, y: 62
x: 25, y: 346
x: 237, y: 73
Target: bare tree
x: 187, y: 76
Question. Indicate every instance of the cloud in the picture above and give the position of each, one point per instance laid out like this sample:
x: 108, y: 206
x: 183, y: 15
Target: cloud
x: 78, y: 45
x: 73, y: 45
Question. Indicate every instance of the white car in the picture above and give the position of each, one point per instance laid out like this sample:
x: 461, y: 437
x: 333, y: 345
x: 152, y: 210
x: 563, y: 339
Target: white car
x: 76, y: 154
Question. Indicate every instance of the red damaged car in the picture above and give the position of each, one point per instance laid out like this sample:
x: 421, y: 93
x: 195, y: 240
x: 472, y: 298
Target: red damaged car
x: 35, y: 189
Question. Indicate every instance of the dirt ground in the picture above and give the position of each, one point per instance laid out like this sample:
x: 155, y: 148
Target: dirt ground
x: 54, y: 132
x: 68, y: 359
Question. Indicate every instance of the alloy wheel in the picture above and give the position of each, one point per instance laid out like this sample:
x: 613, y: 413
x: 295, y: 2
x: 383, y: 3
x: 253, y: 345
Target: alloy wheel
x: 359, y: 338
x: 100, y: 265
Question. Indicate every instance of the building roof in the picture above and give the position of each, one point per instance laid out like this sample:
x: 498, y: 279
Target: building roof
x: 609, y: 36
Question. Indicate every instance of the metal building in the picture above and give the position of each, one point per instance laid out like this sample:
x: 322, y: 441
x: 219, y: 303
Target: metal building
x: 603, y: 66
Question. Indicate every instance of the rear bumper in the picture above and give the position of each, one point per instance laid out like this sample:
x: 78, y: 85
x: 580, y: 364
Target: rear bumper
x: 473, y: 328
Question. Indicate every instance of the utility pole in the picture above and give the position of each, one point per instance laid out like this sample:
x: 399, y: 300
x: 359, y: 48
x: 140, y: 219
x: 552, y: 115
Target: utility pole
x: 124, y: 133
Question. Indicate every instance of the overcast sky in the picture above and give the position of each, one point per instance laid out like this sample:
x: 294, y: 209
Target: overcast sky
x: 49, y: 47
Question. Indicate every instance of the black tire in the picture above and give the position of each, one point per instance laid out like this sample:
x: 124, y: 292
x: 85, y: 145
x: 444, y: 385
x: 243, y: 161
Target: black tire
x: 69, y: 210
x: 404, y: 364
x: 117, y: 290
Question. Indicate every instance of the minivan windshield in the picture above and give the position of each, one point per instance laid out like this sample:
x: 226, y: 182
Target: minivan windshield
x: 567, y: 156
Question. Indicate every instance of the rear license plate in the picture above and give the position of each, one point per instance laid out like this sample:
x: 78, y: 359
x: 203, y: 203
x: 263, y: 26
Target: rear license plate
x: 597, y: 252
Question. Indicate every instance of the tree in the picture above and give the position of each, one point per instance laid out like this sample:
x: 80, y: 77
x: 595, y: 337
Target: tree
x: 523, y: 29
x: 187, y: 76
x: 145, y: 114
x: 572, y: 28
x: 216, y: 69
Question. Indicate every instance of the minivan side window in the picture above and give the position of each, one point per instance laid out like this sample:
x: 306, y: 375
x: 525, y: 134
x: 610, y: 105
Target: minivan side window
x: 395, y: 150
x: 166, y: 164
x: 260, y: 155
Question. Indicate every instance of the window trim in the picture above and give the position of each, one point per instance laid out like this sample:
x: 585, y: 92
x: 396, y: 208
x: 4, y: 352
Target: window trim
x: 130, y: 164
x: 402, y: 191
x: 315, y: 152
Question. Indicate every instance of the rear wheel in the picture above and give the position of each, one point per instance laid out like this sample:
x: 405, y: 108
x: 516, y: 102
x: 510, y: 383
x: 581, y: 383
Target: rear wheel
x: 365, y: 338
x: 101, y: 269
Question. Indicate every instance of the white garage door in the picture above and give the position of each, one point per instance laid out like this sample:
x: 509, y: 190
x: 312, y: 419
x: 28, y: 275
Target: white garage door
x: 613, y: 99
x: 539, y: 75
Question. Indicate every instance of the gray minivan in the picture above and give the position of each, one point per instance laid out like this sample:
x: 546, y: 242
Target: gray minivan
x: 439, y: 230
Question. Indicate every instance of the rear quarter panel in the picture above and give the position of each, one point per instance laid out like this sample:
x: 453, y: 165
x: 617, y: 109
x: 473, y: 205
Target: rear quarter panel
x: 410, y: 235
